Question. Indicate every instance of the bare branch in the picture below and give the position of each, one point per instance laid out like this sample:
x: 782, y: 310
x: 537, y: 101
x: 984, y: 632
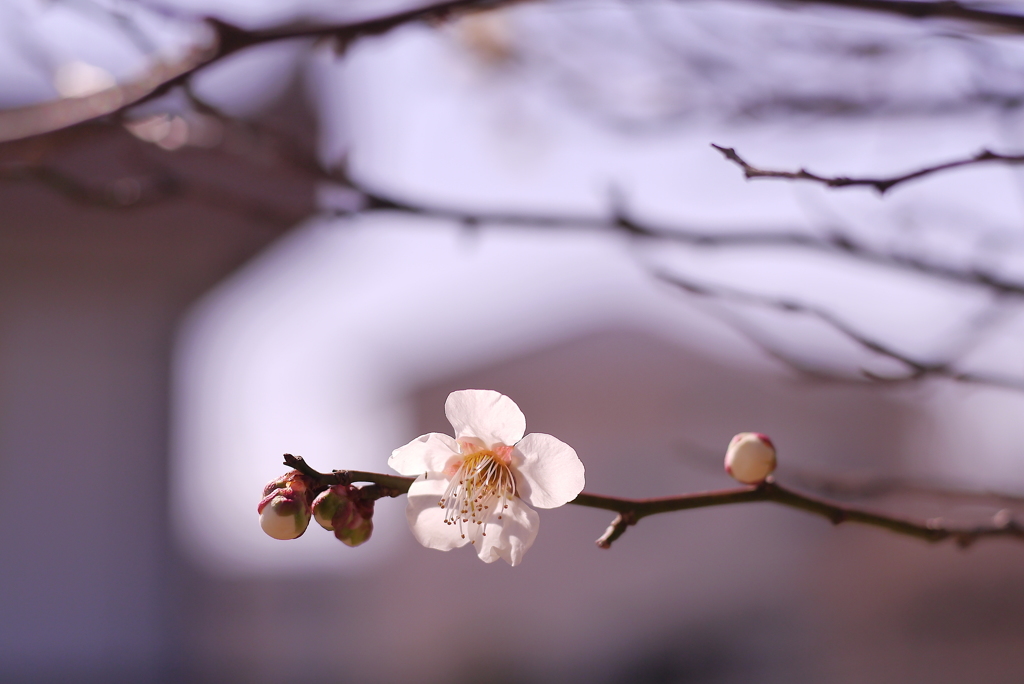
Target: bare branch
x: 630, y: 511
x: 161, y: 183
x: 916, y: 368
x: 41, y: 118
x: 365, y: 199
x: 37, y: 119
x: 23, y: 122
x: 26, y: 164
x: 836, y: 243
x: 927, y: 9
x: 872, y: 487
x: 385, y: 485
x: 879, y: 184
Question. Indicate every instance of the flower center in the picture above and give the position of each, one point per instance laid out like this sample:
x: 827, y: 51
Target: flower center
x: 481, y: 485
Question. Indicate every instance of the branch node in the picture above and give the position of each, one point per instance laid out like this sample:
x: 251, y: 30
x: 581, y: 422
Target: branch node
x: 298, y: 463
x: 840, y: 241
x: 964, y: 539
x: 230, y: 38
x: 616, y: 529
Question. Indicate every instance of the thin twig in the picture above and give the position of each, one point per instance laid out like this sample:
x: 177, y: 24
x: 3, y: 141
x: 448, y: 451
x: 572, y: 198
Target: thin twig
x: 836, y: 243
x: 23, y: 122
x: 1006, y: 22
x: 871, y: 487
x: 227, y: 39
x: 880, y: 184
x: 916, y: 368
x: 631, y: 511
x: 393, y: 484
x: 365, y: 199
x: 161, y: 184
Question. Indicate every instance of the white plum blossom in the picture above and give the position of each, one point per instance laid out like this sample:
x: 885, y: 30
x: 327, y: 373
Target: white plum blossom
x: 750, y: 457
x: 477, y: 488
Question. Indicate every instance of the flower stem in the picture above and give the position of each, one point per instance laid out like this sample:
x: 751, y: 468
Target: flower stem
x: 630, y: 511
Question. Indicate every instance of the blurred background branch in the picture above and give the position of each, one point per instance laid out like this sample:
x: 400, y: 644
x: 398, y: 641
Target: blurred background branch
x: 916, y: 369
x: 943, y: 9
x: 299, y: 226
x: 206, y: 126
x: 223, y: 41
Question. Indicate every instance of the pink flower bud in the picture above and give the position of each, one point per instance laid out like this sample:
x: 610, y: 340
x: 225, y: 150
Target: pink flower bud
x: 750, y: 457
x: 327, y: 505
x: 356, y: 530
x: 342, y: 510
x: 293, y: 480
x: 285, y: 507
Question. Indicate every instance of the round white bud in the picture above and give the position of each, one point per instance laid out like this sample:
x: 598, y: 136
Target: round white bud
x: 750, y: 457
x: 285, y: 507
x: 284, y: 517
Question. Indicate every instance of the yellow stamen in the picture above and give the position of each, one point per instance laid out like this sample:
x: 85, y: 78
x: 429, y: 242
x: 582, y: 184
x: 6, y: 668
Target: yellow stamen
x: 482, y: 479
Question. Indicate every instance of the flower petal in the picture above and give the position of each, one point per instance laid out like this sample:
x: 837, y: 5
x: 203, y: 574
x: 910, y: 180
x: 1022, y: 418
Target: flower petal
x: 547, y: 470
x: 487, y: 415
x: 426, y: 518
x: 510, y: 537
x: 425, y: 454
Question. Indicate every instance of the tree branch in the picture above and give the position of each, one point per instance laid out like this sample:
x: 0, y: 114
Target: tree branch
x: 23, y: 122
x: 395, y: 485
x: 365, y: 199
x: 916, y: 368
x: 836, y: 243
x: 880, y: 184
x: 923, y: 9
x: 227, y: 39
x: 882, y: 487
x: 370, y: 200
x: 160, y: 183
x: 46, y: 117
x: 27, y: 165
x: 631, y: 511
